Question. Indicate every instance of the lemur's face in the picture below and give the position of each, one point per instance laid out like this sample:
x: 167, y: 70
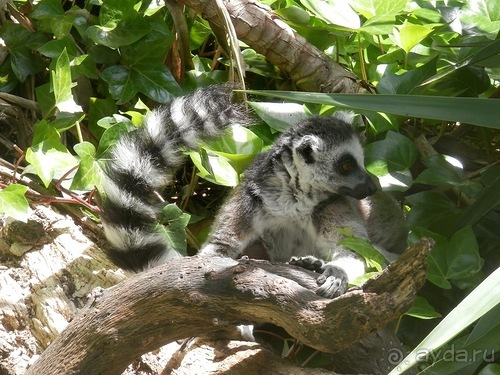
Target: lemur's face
x: 334, y: 164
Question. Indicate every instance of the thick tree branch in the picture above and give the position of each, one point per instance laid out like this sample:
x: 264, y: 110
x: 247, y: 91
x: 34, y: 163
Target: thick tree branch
x: 199, y: 296
x: 259, y: 27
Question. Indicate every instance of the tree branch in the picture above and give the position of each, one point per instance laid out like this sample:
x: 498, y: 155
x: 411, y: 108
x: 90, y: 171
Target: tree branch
x: 259, y: 27
x: 199, y: 296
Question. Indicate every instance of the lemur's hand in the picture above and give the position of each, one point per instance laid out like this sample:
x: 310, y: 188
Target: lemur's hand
x: 333, y: 280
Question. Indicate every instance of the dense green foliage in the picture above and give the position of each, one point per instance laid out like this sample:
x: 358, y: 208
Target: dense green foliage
x: 432, y: 136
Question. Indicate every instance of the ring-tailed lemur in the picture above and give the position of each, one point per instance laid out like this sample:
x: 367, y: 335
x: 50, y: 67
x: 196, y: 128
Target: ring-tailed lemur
x: 312, y: 179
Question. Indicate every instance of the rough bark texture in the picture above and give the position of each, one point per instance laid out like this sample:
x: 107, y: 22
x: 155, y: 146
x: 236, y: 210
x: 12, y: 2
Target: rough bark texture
x: 259, y: 27
x: 48, y: 267
x: 199, y: 296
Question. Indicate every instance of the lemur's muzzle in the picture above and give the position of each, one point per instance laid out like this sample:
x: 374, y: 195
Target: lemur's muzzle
x: 364, y: 188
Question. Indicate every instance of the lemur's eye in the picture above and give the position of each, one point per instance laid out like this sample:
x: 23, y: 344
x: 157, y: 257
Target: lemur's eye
x: 345, y: 167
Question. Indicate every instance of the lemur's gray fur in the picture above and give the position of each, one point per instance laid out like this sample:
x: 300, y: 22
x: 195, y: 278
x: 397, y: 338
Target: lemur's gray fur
x: 292, y: 196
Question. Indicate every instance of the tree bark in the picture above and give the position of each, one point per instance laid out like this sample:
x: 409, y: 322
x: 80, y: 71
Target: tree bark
x: 259, y: 27
x: 199, y: 296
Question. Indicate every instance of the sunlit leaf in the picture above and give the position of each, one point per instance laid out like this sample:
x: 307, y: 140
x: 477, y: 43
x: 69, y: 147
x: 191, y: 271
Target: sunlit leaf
x: 334, y: 12
x: 14, y: 203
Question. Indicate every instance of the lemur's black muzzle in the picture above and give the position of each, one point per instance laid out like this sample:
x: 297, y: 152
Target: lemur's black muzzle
x: 362, y: 189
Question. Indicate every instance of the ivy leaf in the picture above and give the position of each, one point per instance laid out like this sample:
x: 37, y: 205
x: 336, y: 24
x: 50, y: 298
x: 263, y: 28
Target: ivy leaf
x: 54, y: 48
x: 121, y: 86
x: 433, y: 211
x: 407, y: 82
x: 121, y: 24
x: 364, y: 248
x: 421, y: 309
x: 372, y: 8
x: 155, y: 81
x: 408, y: 35
x: 456, y: 260
x: 88, y: 174
x: 175, y: 229
x: 61, y: 83
x: 239, y: 147
x: 21, y: 44
x: 215, y: 168
x: 48, y: 156
x: 390, y: 160
x: 14, y: 203
x: 334, y: 12
x: 279, y: 116
x: 115, y: 127
x: 482, y: 17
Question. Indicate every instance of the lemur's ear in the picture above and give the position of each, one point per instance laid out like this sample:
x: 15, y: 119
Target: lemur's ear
x: 307, y: 148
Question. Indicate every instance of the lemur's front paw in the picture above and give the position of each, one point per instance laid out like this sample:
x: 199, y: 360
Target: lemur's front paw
x: 333, y: 280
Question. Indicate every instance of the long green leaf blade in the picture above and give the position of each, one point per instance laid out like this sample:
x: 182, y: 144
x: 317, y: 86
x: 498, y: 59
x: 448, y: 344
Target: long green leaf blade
x: 475, y: 111
x: 482, y: 299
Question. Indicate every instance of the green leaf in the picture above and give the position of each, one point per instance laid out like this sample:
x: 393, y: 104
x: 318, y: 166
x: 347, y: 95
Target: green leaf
x: 215, y: 168
x: 48, y: 156
x: 238, y: 147
x: 463, y: 255
x: 175, y: 230
x: 89, y: 174
x: 155, y: 81
x: 408, y: 35
x: 14, y: 203
x: 474, y: 111
x: 433, y: 211
x: 294, y: 14
x: 390, y: 160
x: 151, y: 50
x: 363, y: 247
x: 406, y: 83
x: 116, y: 126
x: 54, y: 48
x: 279, y: 116
x: 482, y: 17
x: 481, y: 300
x: 47, y: 9
x: 256, y: 63
x: 99, y: 108
x: 441, y: 172
x: 83, y: 65
x: 490, y: 369
x: 21, y: 44
x: 452, y: 261
x: 372, y: 8
x: 334, y: 12
x: 121, y: 24
x: 45, y: 99
x: 488, y: 200
x: 121, y: 86
x: 379, y: 25
x: 64, y: 120
x: 62, y: 84
x: 421, y: 309
x: 492, y: 49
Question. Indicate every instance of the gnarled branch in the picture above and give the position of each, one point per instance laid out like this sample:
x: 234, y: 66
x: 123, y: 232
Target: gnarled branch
x: 199, y: 296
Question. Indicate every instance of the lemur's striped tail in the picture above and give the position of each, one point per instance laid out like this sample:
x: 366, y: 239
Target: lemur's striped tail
x: 142, y: 164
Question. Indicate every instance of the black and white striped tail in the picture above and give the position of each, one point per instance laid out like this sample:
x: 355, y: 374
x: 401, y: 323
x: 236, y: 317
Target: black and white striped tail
x: 142, y: 164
